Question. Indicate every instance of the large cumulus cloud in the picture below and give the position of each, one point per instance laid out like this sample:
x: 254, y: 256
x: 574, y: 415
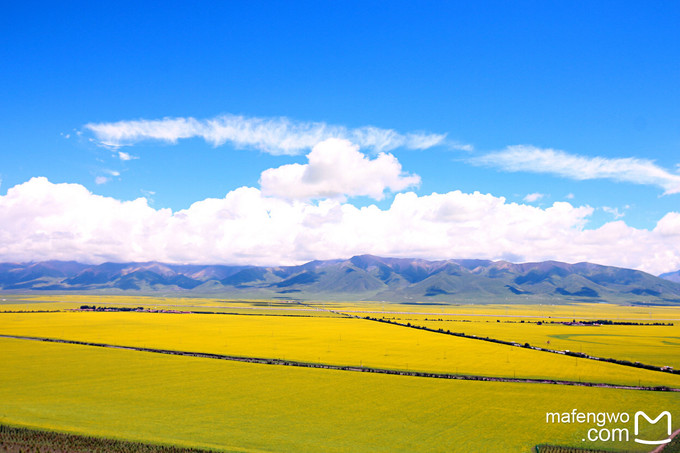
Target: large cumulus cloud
x: 337, y: 169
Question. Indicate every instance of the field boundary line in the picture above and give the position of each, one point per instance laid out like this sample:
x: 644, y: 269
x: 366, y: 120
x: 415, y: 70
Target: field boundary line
x: 578, y: 355
x: 363, y: 369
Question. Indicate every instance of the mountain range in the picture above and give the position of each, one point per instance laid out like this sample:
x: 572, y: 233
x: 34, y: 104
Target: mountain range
x: 672, y: 276
x: 364, y: 277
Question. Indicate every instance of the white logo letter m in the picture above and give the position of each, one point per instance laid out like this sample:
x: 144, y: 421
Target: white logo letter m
x: 653, y: 422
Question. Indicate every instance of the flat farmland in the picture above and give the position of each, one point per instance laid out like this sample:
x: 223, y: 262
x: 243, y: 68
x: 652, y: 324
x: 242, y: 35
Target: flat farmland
x: 231, y: 406
x: 632, y: 336
x: 533, y: 311
x: 337, y: 341
x: 73, y: 302
x: 227, y: 405
x: 654, y: 345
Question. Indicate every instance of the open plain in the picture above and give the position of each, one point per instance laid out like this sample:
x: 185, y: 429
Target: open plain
x: 357, y: 384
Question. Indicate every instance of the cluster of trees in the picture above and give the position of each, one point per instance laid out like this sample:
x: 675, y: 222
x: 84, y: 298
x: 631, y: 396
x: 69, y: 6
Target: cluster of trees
x: 597, y: 322
x: 605, y: 322
x: 609, y: 322
x: 95, y: 308
x: 634, y: 364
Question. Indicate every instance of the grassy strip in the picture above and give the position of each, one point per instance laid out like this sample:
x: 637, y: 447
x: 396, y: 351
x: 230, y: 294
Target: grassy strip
x: 563, y: 449
x: 25, y: 440
x: 673, y: 446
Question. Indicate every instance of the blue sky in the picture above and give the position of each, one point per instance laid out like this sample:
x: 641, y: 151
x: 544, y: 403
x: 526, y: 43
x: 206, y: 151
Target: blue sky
x: 572, y: 102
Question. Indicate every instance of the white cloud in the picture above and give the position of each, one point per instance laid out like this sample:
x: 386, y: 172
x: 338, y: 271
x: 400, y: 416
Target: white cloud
x: 149, y: 195
x: 569, y: 196
x: 126, y: 156
x: 40, y: 220
x: 99, y: 180
x: 533, y: 197
x: 337, y: 169
x: 613, y: 211
x: 460, y: 146
x: 272, y: 135
x: 537, y: 160
x: 669, y: 226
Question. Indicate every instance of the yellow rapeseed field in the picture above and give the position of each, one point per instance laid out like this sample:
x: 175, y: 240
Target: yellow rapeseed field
x: 534, y: 311
x: 250, y: 407
x: 74, y: 301
x: 655, y: 345
x: 650, y: 344
x: 339, y: 341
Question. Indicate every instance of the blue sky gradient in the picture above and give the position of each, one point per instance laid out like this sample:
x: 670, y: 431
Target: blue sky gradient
x: 590, y: 79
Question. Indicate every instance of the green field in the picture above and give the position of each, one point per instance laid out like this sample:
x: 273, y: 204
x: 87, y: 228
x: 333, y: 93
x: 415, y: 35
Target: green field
x: 234, y: 406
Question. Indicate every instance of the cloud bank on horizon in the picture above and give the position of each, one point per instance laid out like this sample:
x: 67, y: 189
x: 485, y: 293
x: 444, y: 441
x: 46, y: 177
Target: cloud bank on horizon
x: 300, y: 213
x: 278, y: 136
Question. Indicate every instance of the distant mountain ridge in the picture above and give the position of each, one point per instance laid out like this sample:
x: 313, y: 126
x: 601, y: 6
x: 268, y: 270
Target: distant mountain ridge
x: 672, y: 276
x: 364, y: 277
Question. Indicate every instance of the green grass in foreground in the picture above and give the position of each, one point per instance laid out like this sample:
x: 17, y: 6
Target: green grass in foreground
x: 673, y: 446
x: 562, y: 449
x: 24, y: 440
x: 222, y: 405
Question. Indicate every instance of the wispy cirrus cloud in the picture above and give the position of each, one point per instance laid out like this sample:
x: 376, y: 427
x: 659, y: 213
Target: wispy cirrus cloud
x: 272, y: 135
x: 538, y: 160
